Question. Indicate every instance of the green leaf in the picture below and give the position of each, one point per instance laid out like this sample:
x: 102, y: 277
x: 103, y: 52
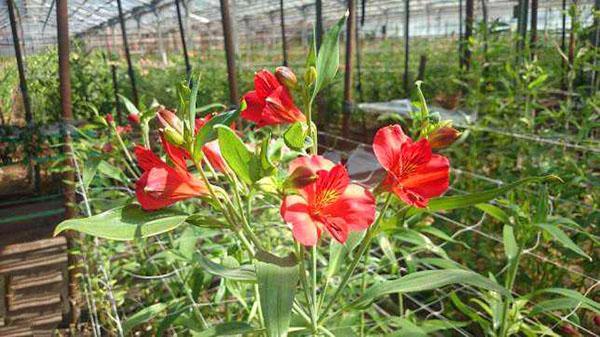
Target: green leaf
x: 208, y: 133
x: 556, y: 304
x: 295, y: 136
x: 338, y: 251
x: 131, y: 108
x: 427, y: 280
x: 328, y: 57
x: 495, y: 212
x: 408, y: 328
x: 511, y: 249
x: 563, y: 239
x: 143, y: 316
x: 226, y: 329
x: 89, y: 171
x: 235, y: 153
x: 193, y: 100
x: 236, y: 274
x: 461, y: 201
x: 111, y: 171
x: 572, y: 294
x: 125, y: 223
x: 213, y: 106
x: 277, y: 278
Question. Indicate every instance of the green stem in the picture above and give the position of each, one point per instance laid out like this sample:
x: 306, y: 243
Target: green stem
x: 509, y: 283
x: 364, y: 245
x: 314, y: 287
x: 125, y: 150
x: 300, y: 252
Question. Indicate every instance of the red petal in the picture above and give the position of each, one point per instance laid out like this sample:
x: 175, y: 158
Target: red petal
x: 315, y: 163
x: 295, y: 212
x: 265, y: 83
x: 337, y: 227
x: 177, y: 155
x: 213, y: 153
x: 254, y: 107
x: 356, y: 206
x: 387, y: 145
x: 431, y: 179
x: 280, y: 109
x: 146, y: 158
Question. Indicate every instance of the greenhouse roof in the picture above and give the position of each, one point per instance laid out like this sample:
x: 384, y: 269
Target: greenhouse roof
x: 93, y: 18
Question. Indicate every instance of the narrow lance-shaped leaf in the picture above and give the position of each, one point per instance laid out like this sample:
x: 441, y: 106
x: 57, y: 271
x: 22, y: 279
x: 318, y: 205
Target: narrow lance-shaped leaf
x: 510, y: 243
x: 226, y: 329
x: 563, y: 239
x: 428, y: 280
x: 328, y: 57
x: 208, y: 133
x: 143, y: 316
x: 461, y: 201
x: 236, y: 274
x: 277, y: 278
x: 125, y: 223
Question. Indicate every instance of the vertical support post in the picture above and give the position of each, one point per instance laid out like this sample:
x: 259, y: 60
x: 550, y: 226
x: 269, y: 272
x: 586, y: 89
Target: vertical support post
x: 319, y: 23
x: 62, y: 33
x: 350, y: 35
x: 34, y: 168
x: 115, y: 83
x: 523, y: 14
x: 229, y: 52
x: 283, y: 39
x: 572, y: 36
x: 406, y: 46
x: 594, y: 80
x: 534, y: 23
x: 422, y: 65
x: 128, y: 55
x: 468, y: 33
x: 460, y: 34
x: 188, y: 67
x: 159, y: 36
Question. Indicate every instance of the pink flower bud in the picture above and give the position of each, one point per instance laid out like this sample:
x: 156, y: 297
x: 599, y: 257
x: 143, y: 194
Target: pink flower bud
x: 286, y: 77
x: 597, y: 320
x: 169, y: 119
x: 569, y: 330
x: 443, y: 137
x: 109, y: 118
x: 134, y: 119
x: 107, y: 148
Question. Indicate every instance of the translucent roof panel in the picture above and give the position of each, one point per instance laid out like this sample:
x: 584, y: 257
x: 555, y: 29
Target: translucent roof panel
x: 95, y: 19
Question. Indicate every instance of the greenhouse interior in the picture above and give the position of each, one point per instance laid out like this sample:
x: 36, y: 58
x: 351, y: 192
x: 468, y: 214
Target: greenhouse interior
x: 277, y: 168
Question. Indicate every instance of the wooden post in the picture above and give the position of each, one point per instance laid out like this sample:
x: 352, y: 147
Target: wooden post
x: 283, y: 39
x: 229, y: 52
x: 468, y: 33
x: 594, y: 80
x: 406, y: 46
x: 422, y: 65
x: 350, y: 35
x: 34, y: 168
x: 188, y: 67
x: 534, y: 24
x: 460, y: 34
x: 523, y: 14
x: 128, y: 56
x: 62, y: 27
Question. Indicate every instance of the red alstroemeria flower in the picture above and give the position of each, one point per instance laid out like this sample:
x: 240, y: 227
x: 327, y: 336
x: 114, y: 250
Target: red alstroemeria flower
x: 414, y: 174
x: 271, y: 102
x: 162, y: 185
x: 331, y: 202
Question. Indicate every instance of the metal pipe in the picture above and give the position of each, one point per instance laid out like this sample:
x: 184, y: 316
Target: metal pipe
x: 188, y: 67
x: 229, y: 52
x: 283, y: 39
x: 534, y: 24
x: 62, y: 33
x: 350, y: 35
x: 127, y: 55
x: 406, y: 46
x: 34, y: 169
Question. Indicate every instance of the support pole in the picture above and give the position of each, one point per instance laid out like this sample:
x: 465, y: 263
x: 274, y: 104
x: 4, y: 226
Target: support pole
x: 523, y: 14
x: 319, y: 23
x: 460, y: 34
x: 406, y: 46
x: 350, y: 36
x: 34, y: 168
x: 188, y: 67
x: 128, y: 56
x: 283, y: 39
x: 115, y: 83
x: 594, y: 80
x: 229, y: 52
x: 468, y: 33
x: 62, y: 33
x: 534, y: 24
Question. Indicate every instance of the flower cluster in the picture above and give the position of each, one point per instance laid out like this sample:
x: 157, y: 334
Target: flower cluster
x: 322, y: 197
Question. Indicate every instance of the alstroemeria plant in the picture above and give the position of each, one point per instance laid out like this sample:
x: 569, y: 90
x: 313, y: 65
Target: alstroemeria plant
x: 274, y: 160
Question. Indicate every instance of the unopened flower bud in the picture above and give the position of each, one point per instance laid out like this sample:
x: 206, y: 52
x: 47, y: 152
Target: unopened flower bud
x: 173, y: 136
x: 107, y: 148
x: 168, y: 119
x: 109, y: 118
x: 310, y: 76
x: 301, y: 177
x: 286, y: 77
x: 443, y: 137
x: 597, y: 320
x: 134, y: 119
x: 569, y: 330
